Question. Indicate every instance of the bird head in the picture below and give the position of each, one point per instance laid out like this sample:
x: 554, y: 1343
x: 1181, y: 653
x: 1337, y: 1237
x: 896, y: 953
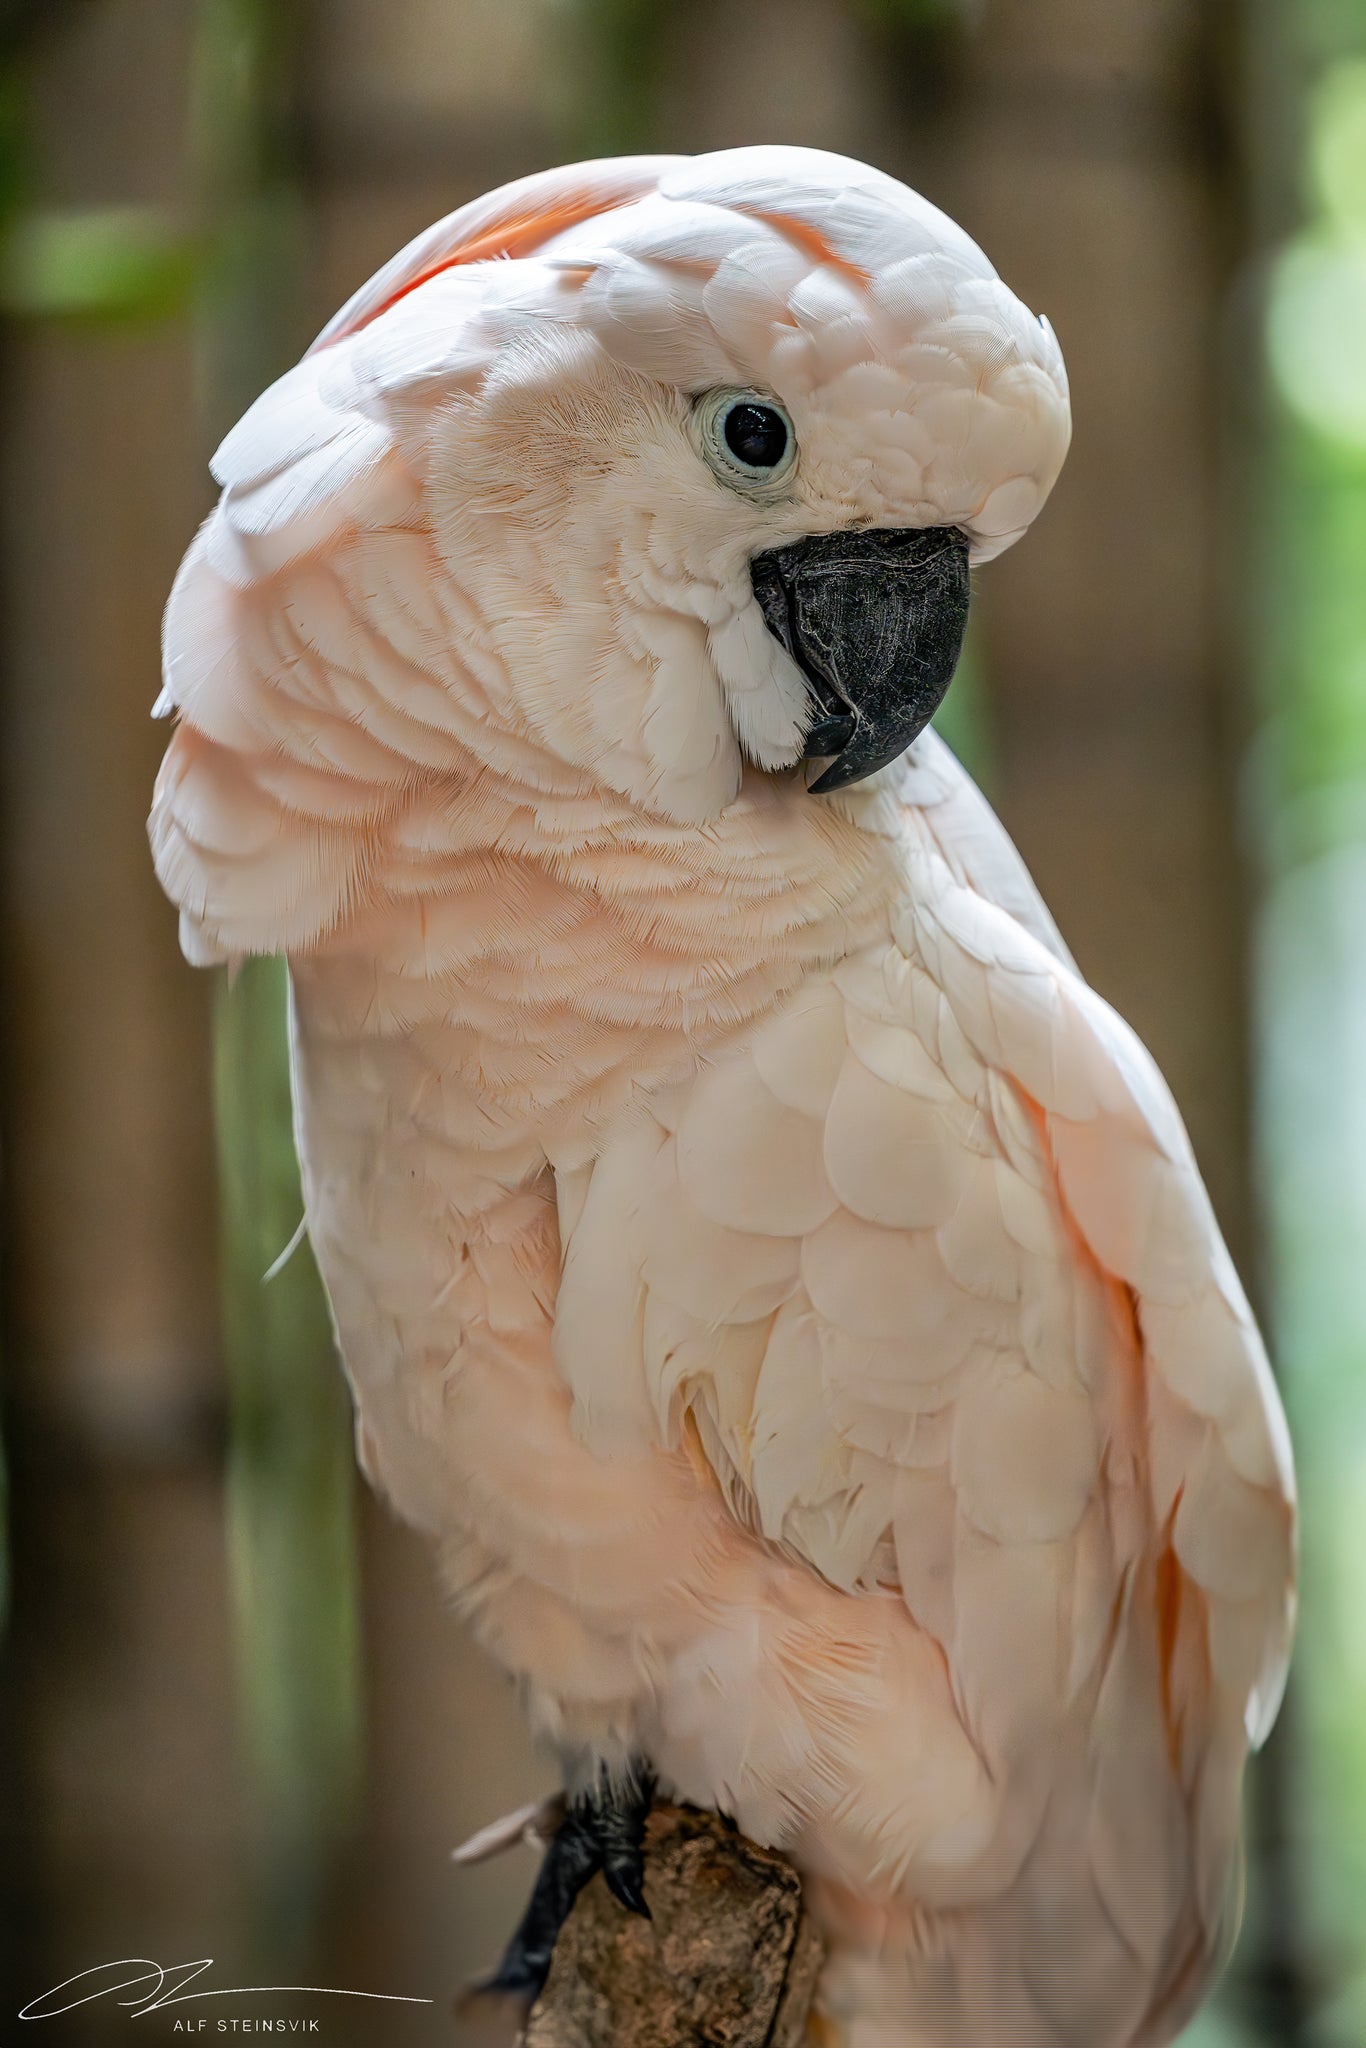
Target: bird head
x: 707, y: 448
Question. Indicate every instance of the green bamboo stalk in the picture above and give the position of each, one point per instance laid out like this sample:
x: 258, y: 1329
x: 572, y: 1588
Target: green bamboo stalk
x: 290, y: 1474
x: 290, y: 1478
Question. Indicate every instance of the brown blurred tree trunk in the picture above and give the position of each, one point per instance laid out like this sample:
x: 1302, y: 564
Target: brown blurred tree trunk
x: 119, y: 1757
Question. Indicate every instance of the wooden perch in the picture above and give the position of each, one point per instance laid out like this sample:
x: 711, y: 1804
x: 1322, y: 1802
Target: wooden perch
x: 729, y: 1959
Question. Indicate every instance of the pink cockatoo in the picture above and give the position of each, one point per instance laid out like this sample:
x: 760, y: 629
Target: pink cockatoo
x: 780, y: 1286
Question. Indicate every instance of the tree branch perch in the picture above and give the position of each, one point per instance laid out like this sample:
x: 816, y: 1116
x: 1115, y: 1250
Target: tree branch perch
x: 729, y: 1959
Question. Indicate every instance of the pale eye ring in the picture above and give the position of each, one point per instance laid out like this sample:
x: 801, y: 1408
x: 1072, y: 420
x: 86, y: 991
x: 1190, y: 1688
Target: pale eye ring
x: 747, y: 438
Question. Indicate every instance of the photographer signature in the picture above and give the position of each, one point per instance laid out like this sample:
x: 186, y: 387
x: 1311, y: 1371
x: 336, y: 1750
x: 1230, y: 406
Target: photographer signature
x: 167, y: 1987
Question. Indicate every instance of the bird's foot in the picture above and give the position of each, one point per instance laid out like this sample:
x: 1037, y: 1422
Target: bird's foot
x: 602, y: 1829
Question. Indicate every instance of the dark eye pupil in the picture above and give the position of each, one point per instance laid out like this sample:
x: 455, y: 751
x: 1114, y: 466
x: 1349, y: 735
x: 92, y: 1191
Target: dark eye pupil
x: 756, y: 435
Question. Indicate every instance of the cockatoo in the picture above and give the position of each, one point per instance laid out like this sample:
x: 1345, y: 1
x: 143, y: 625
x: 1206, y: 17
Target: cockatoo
x: 779, y: 1285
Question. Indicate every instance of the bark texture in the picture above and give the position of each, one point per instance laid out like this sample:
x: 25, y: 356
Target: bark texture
x: 728, y: 1960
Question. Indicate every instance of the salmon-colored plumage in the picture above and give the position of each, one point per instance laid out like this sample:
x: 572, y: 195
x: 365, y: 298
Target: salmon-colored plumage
x: 779, y: 1284
x: 809, y: 240
x: 519, y: 235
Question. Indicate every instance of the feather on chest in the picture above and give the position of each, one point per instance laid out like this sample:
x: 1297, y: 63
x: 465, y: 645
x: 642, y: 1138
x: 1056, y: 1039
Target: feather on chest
x: 515, y: 981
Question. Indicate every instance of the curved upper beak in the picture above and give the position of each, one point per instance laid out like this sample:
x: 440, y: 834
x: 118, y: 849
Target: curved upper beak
x: 874, y: 619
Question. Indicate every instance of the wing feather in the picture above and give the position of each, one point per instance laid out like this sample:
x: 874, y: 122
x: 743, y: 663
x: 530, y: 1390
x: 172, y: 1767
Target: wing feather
x: 515, y: 220
x: 306, y: 667
x: 1129, y: 1183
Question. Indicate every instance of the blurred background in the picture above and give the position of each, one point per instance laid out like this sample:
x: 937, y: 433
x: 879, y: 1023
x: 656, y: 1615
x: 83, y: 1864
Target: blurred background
x: 236, y: 1721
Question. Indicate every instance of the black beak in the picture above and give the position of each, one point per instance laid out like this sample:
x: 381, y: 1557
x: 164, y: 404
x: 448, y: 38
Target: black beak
x: 874, y: 619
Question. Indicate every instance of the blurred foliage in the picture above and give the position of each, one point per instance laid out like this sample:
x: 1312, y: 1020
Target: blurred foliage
x: 1337, y: 146
x: 1316, y: 321
x: 616, y: 51
x: 244, y: 128
x: 918, y: 27
x: 107, y: 262
x: 1312, y: 597
x: 22, y: 21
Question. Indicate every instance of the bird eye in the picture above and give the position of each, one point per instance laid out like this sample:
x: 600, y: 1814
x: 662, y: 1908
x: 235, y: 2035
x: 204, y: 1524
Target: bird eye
x: 756, y: 436
x: 747, y: 438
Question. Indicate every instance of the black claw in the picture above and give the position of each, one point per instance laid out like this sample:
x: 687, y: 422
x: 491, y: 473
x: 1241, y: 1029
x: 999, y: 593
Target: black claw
x: 627, y: 1887
x: 603, y: 1829
x: 622, y: 1811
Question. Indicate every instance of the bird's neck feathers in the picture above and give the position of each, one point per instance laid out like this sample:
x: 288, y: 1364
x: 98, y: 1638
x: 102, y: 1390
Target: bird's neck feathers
x: 567, y: 964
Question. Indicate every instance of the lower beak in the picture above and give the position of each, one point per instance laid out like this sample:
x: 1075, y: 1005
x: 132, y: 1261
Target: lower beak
x: 874, y: 619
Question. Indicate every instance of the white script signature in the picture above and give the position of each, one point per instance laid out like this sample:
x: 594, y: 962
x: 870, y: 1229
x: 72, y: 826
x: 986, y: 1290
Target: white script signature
x: 167, y: 1987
